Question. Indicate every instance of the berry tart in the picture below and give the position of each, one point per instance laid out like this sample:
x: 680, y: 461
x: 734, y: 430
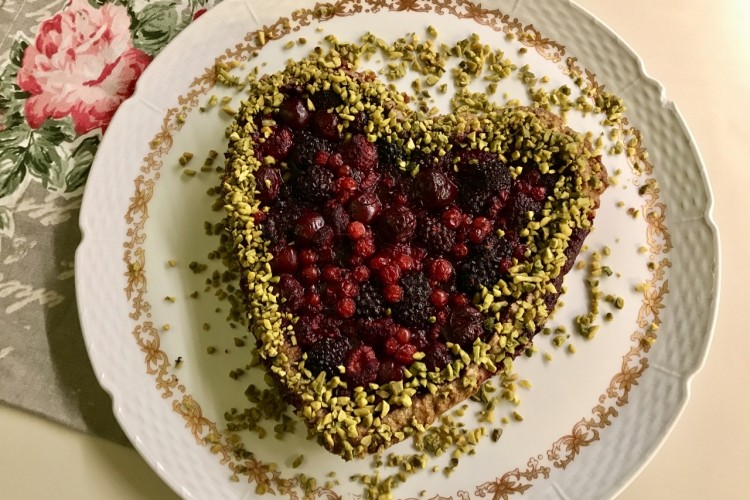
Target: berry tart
x: 394, y: 260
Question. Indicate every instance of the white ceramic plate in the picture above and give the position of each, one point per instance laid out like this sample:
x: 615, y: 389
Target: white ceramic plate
x: 591, y: 421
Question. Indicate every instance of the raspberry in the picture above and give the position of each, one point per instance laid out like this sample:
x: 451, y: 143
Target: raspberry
x: 364, y: 247
x: 349, y: 288
x: 278, y: 144
x: 326, y: 355
x: 306, y: 333
x: 268, y: 183
x: 376, y: 332
x: 393, y: 293
x: 370, y: 302
x: 405, y: 354
x: 415, y: 309
x: 361, y: 273
x: 361, y: 366
x: 441, y: 270
x: 359, y: 153
x: 389, y: 274
x: 305, y: 149
x: 436, y: 236
x: 346, y: 308
x: 332, y: 274
x: 397, y: 225
x: 356, y: 230
x: 291, y: 292
x: 452, y: 218
x: 321, y: 158
x: 315, y: 185
x: 465, y: 326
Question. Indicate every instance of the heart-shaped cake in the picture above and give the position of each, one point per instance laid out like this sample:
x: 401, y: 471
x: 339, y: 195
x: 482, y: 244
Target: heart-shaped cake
x: 394, y: 260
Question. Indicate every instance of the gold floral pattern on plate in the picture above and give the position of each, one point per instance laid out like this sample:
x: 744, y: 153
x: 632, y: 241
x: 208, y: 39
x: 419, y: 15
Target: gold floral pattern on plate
x: 266, y: 477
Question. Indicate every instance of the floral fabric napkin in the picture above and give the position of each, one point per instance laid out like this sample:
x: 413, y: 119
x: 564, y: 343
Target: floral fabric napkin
x: 65, y: 67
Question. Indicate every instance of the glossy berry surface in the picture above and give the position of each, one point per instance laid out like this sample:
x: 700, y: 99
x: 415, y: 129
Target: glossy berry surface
x: 378, y: 264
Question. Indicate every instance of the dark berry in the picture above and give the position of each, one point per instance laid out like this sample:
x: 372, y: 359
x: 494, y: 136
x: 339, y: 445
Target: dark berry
x: 393, y: 294
x: 441, y: 270
x: 405, y: 354
x: 397, y: 225
x: 465, y: 326
x: 309, y: 275
x: 477, y: 271
x: 435, y: 236
x: 439, y: 298
x: 370, y: 301
x: 336, y: 216
x: 346, y: 308
x: 390, y: 371
x: 278, y: 144
x: 315, y: 185
x: 389, y: 153
x: 268, y: 183
x: 305, y: 149
x: 359, y: 153
x: 364, y: 247
x: 326, y: 124
x: 434, y: 189
x: 389, y: 274
x: 285, y: 261
x: 437, y: 357
x: 293, y: 112
x: 306, y: 332
x: 326, y: 355
x: 365, y: 208
x: 326, y: 99
x: 518, y: 210
x: 323, y: 239
x: 376, y: 332
x: 361, y: 366
x: 308, y: 256
x: 452, y: 218
x: 481, y: 176
x: 290, y: 291
x: 356, y: 230
x: 308, y: 225
x: 415, y: 309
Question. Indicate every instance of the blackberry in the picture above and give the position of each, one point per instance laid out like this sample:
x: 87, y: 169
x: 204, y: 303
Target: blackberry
x: 326, y: 99
x: 415, y: 308
x: 337, y: 217
x: 389, y: 153
x: 475, y: 272
x: 518, y: 208
x: 306, y: 146
x: 435, y: 236
x: 482, y: 175
x: 315, y: 185
x: 483, y: 266
x: 326, y: 355
x: 370, y: 302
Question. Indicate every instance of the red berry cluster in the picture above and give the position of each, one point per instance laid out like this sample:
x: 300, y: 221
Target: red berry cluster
x: 385, y: 262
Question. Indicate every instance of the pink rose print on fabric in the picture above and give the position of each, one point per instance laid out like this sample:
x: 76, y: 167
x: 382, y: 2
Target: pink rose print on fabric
x: 82, y: 64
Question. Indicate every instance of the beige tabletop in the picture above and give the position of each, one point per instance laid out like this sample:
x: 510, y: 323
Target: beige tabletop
x: 700, y: 51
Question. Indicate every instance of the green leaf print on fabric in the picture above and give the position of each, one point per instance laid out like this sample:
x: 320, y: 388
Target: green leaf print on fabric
x: 81, y: 160
x: 12, y: 169
x: 156, y: 25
